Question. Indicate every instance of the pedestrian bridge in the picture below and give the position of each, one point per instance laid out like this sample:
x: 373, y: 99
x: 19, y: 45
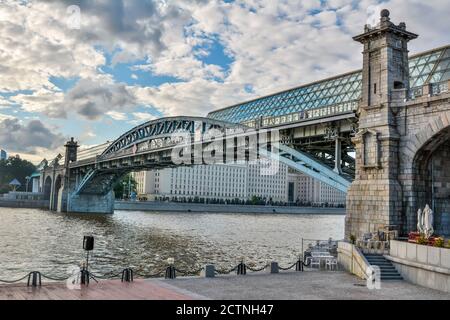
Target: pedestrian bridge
x: 83, y: 181
x: 385, y: 127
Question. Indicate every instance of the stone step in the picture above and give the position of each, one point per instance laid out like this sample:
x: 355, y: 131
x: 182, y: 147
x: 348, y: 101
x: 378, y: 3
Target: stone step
x: 387, y: 269
x: 390, y: 273
x: 384, y: 278
x: 381, y: 264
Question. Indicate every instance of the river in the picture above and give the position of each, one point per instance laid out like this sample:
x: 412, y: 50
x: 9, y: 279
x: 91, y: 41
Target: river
x: 38, y: 240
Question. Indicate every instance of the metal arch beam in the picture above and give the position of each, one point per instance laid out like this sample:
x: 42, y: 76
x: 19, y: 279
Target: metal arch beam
x: 164, y: 126
x: 84, y: 182
x: 304, y: 163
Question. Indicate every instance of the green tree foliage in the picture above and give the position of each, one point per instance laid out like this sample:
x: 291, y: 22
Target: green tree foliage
x: 123, y: 186
x: 14, y: 168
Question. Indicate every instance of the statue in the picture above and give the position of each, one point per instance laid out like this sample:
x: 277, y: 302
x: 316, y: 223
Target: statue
x: 428, y: 222
x: 420, y: 224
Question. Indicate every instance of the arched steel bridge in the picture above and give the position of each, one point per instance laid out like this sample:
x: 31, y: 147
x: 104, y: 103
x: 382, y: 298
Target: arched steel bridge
x: 151, y: 145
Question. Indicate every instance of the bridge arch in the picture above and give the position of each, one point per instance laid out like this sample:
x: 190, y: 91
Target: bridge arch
x: 47, y: 188
x: 161, y: 130
x: 56, y: 200
x: 431, y: 175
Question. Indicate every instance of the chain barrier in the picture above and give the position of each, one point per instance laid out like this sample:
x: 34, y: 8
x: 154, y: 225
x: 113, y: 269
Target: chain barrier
x: 258, y: 270
x: 227, y: 271
x: 189, y: 273
x: 127, y: 275
x: 15, y: 281
x: 287, y: 268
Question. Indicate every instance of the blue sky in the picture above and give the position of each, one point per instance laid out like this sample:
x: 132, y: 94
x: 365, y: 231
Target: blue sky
x: 121, y: 63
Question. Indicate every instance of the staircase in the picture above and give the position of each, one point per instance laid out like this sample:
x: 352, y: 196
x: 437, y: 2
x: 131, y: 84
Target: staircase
x: 388, y: 271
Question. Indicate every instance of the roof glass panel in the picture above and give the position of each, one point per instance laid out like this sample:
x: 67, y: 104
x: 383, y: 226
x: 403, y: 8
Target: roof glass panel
x: 427, y: 67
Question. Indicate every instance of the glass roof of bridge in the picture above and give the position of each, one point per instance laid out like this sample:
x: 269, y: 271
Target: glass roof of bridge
x: 341, y: 91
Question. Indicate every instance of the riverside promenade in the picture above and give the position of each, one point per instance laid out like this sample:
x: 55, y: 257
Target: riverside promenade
x: 221, y: 208
x: 308, y: 285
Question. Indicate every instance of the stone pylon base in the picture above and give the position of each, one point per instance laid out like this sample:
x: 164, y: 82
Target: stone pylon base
x: 91, y: 203
x: 372, y: 206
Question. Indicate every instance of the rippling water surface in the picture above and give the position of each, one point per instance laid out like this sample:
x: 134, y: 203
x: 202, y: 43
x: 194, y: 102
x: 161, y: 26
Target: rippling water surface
x: 51, y: 243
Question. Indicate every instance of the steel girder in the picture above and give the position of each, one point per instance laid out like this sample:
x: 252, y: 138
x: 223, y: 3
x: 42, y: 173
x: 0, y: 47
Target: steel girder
x: 302, y: 162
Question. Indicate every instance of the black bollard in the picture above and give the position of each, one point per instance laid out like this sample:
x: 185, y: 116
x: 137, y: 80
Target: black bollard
x: 34, y: 279
x: 242, y: 269
x: 127, y: 275
x: 299, y: 265
x: 170, y: 272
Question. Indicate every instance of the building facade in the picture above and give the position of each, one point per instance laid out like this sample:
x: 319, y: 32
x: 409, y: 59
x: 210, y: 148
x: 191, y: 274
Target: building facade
x: 223, y: 182
x: 307, y: 190
x: 266, y: 181
x: 3, y: 154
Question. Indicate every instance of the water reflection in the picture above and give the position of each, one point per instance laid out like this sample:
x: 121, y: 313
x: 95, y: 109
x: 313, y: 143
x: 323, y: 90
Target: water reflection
x: 50, y: 242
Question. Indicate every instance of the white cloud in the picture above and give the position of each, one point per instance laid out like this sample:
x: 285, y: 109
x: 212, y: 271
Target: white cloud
x: 140, y: 117
x: 274, y: 45
x: 117, y: 115
x: 6, y: 117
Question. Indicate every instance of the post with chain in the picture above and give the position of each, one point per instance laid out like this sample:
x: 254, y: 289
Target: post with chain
x: 34, y: 279
x: 171, y: 271
x: 127, y: 275
x: 274, y: 268
x: 242, y: 268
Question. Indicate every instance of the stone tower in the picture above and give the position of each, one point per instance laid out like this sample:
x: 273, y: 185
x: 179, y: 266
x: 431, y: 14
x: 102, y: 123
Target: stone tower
x: 71, y: 151
x: 374, y: 199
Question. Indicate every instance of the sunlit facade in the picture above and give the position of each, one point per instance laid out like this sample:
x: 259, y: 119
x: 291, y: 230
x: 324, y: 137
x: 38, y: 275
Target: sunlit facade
x: 223, y: 182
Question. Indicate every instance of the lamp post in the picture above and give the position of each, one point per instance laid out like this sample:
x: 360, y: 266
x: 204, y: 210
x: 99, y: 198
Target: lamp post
x: 124, y: 190
x: 28, y: 178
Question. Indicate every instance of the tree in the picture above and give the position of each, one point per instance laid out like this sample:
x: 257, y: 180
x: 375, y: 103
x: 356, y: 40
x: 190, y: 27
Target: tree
x: 124, y: 186
x: 15, y: 168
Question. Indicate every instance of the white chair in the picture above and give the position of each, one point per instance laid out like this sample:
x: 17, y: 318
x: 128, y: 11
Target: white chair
x: 331, y: 264
x: 315, y: 261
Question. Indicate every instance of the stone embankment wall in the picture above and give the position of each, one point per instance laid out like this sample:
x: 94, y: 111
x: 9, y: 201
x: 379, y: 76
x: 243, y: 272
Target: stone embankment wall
x: 219, y: 208
x: 422, y: 265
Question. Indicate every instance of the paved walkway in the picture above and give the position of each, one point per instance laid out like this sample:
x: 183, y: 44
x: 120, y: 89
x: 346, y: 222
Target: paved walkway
x: 104, y: 290
x: 310, y: 285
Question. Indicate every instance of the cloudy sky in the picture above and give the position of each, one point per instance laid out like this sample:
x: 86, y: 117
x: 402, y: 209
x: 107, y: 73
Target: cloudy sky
x: 96, y: 73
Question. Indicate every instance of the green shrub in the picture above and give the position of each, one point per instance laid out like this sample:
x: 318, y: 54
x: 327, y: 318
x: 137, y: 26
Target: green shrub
x: 439, y: 242
x: 352, y: 239
x: 448, y: 244
x: 422, y: 240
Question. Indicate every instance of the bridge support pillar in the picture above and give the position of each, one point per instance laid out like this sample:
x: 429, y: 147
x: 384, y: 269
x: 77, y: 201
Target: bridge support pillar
x: 374, y: 200
x: 338, y: 156
x: 91, y: 203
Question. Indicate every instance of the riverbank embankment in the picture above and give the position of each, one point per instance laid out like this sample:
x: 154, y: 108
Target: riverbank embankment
x: 221, y: 208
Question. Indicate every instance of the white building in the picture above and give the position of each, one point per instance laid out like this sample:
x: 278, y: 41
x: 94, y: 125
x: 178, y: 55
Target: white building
x: 305, y: 189
x: 145, y: 182
x: 268, y: 180
x: 207, y: 181
x: 265, y: 180
x: 225, y: 182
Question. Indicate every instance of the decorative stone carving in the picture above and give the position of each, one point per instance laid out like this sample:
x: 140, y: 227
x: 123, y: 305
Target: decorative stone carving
x: 420, y: 224
x: 428, y: 221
